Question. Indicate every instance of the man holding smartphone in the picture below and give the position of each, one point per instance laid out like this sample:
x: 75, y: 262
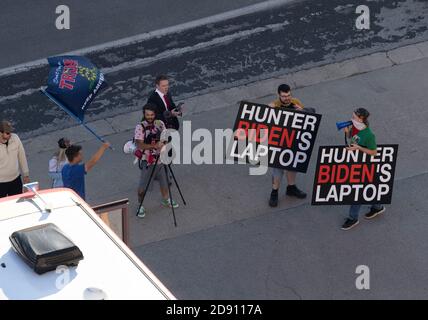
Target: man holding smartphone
x: 166, y: 110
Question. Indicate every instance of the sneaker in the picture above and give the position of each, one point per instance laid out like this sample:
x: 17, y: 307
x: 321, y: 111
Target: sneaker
x: 273, y: 201
x: 295, y: 192
x: 141, y: 213
x: 167, y: 203
x: 374, y: 213
x: 349, y: 224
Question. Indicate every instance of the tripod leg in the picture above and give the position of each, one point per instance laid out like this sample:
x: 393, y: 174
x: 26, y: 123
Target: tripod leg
x: 147, y: 186
x: 170, y: 195
x: 176, y: 183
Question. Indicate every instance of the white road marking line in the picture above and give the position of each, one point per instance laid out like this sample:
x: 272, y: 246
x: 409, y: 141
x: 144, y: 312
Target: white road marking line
x: 201, y: 45
x: 20, y: 94
x: 166, y: 54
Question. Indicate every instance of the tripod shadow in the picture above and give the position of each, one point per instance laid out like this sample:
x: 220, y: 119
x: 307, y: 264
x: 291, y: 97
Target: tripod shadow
x: 19, y: 282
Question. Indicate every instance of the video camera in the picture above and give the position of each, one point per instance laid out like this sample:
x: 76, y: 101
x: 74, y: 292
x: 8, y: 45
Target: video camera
x: 153, y: 137
x: 130, y: 146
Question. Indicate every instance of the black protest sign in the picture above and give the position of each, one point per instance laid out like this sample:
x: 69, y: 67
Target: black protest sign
x: 285, y: 136
x: 345, y: 177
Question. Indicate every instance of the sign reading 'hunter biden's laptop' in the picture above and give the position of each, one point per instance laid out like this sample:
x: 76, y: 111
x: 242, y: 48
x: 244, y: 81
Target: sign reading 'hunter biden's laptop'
x: 345, y: 177
x: 285, y: 136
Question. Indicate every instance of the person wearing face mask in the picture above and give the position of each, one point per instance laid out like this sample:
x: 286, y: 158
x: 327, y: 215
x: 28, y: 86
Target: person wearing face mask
x: 57, y: 162
x: 13, y: 162
x: 363, y: 139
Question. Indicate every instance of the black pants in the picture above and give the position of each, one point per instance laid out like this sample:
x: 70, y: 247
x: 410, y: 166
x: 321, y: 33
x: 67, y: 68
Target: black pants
x: 11, y: 188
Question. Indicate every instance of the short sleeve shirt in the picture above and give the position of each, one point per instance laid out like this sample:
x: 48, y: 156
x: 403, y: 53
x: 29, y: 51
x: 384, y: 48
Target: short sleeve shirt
x: 294, y: 102
x: 365, y: 138
x: 73, y: 177
x: 145, y: 129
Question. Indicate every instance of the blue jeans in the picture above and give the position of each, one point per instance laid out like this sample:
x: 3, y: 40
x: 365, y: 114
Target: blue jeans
x: 354, y: 210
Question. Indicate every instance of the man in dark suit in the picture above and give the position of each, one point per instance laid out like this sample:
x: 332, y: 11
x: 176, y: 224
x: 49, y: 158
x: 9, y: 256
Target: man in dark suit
x: 165, y: 106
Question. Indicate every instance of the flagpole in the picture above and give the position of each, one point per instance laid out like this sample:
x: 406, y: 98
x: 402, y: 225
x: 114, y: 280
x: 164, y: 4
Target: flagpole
x: 59, y: 104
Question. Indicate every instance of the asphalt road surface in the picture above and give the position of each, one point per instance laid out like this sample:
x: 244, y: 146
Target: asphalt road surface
x: 229, y: 244
x: 212, y: 57
x: 28, y: 32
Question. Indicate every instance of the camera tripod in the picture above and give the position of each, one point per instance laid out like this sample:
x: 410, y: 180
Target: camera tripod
x: 166, y: 167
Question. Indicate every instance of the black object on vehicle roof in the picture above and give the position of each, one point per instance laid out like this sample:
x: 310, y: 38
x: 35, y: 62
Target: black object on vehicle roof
x: 45, y: 247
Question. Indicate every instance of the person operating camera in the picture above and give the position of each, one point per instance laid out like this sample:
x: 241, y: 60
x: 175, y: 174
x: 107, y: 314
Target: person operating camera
x: 149, y: 139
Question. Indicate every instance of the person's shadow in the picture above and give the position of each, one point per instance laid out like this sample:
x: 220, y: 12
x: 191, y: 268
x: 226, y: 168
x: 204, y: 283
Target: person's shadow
x: 19, y: 282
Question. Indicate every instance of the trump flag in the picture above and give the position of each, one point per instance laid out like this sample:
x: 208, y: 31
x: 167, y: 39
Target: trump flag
x: 72, y: 85
x: 74, y: 82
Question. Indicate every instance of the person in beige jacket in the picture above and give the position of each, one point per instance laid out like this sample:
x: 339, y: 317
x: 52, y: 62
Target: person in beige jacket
x: 13, y: 162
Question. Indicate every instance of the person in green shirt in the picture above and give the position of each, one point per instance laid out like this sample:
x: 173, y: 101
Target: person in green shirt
x: 363, y: 139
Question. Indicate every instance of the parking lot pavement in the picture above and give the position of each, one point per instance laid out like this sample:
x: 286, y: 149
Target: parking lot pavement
x: 230, y: 244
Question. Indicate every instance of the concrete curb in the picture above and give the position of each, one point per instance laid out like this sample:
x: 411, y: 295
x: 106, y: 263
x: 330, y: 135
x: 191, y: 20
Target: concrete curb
x: 256, y: 90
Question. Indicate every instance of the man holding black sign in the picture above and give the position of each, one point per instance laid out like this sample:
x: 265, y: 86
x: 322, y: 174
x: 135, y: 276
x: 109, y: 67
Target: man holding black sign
x: 285, y: 101
x: 362, y: 139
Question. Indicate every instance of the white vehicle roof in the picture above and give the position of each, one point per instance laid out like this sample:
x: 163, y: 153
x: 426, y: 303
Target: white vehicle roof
x: 108, y: 263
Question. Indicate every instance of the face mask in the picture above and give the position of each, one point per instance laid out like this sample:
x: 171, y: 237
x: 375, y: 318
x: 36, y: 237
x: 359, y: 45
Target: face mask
x: 358, y: 125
